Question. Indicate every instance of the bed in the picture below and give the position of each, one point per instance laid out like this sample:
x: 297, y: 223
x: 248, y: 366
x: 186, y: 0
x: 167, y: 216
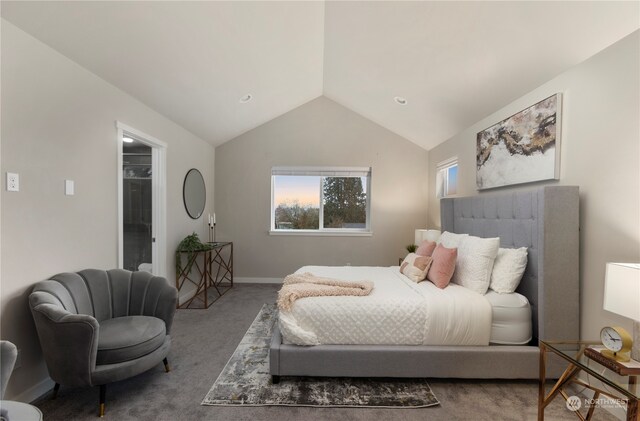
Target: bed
x: 401, y: 312
x: 397, y: 312
x: 543, y: 219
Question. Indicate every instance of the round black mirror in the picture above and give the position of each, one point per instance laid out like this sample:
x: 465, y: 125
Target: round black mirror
x: 194, y: 193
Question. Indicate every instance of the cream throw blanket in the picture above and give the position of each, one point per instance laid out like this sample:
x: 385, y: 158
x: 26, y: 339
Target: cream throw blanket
x: 303, y: 285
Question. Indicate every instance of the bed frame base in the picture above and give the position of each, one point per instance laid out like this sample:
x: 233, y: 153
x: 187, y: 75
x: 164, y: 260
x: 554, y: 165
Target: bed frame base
x: 409, y: 361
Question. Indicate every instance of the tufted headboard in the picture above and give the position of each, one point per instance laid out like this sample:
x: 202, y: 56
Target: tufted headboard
x: 546, y: 221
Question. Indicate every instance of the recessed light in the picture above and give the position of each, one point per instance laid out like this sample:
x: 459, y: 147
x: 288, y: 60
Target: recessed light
x: 127, y: 140
x: 400, y: 100
x: 246, y: 98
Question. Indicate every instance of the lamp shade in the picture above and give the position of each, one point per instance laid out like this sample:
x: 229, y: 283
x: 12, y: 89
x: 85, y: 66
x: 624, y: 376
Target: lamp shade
x: 622, y: 289
x: 421, y: 235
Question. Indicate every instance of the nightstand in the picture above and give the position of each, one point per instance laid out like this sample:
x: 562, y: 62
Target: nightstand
x: 588, y: 359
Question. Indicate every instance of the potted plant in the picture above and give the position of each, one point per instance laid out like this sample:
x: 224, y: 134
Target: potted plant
x: 191, y: 244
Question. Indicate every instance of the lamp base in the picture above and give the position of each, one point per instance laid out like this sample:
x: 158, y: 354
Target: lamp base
x: 635, y: 350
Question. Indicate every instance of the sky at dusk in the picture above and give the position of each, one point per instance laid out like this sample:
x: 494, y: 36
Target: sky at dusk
x: 303, y: 189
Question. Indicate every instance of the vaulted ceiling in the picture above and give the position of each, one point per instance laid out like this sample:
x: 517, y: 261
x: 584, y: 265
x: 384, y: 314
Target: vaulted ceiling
x: 453, y: 62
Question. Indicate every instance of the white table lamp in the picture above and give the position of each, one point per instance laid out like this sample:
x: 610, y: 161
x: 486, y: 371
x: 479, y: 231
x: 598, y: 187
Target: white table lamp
x: 622, y: 296
x: 422, y: 235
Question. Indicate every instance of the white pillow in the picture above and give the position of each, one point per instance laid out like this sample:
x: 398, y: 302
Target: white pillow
x: 415, y: 267
x: 451, y: 240
x: 475, y: 263
x: 508, y: 270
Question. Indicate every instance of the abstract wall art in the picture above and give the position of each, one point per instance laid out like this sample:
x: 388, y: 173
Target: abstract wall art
x: 522, y: 148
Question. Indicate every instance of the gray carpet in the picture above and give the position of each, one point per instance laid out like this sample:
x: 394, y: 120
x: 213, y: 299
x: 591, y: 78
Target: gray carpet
x: 245, y: 380
x: 203, y: 341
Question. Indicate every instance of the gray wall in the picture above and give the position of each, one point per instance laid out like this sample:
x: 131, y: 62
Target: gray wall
x: 319, y: 133
x: 600, y: 152
x: 58, y: 122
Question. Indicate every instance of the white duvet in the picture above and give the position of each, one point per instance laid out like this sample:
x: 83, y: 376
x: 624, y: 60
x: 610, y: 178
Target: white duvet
x: 397, y: 312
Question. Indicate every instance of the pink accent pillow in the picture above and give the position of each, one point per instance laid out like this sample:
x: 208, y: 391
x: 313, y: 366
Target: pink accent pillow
x: 426, y: 248
x: 443, y: 266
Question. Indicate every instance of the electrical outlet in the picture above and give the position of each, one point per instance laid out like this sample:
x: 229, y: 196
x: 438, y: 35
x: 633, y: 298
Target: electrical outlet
x: 18, y: 360
x: 13, y: 182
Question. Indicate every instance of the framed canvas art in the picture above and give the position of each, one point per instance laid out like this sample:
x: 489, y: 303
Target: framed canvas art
x: 522, y: 148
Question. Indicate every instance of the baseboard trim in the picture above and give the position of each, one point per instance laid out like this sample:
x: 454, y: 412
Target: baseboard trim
x: 35, y: 392
x: 257, y: 280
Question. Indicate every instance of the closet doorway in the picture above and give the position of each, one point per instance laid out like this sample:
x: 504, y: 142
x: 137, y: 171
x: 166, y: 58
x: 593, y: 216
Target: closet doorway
x: 141, y: 201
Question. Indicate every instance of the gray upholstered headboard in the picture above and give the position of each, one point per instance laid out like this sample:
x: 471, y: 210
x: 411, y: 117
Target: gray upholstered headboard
x: 546, y: 221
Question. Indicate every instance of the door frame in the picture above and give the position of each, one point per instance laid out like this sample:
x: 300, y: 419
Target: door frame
x: 158, y: 197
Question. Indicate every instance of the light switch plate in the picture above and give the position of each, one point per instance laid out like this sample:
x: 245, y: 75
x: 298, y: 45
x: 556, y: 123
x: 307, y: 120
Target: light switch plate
x: 69, y: 187
x: 13, y: 181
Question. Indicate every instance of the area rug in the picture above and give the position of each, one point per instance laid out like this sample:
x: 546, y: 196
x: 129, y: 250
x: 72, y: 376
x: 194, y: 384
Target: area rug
x: 245, y: 381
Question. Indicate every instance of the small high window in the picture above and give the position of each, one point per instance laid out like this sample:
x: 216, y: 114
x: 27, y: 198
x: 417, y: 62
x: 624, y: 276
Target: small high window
x: 447, y: 178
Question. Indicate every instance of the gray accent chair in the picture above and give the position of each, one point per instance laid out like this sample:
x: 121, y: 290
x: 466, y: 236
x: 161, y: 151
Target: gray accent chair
x: 97, y: 327
x: 8, y: 357
x: 12, y: 410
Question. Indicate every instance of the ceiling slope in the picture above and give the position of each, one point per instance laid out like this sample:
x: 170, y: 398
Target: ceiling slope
x: 454, y: 62
x: 457, y: 62
x: 191, y: 61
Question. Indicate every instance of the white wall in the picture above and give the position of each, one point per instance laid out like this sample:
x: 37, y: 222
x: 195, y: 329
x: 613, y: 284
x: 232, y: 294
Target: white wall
x: 59, y: 123
x: 319, y: 133
x: 600, y: 152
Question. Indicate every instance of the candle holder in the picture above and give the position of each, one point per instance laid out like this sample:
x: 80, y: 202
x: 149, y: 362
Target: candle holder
x: 212, y: 228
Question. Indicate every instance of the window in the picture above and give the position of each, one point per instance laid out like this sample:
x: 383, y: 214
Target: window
x: 310, y: 200
x: 447, y: 178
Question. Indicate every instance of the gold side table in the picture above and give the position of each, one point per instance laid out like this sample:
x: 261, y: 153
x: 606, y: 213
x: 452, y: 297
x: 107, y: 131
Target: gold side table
x: 582, y: 360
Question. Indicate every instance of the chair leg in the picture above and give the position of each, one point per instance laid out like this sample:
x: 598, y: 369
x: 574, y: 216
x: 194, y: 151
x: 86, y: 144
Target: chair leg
x: 55, y: 391
x: 103, y: 392
x: 166, y: 365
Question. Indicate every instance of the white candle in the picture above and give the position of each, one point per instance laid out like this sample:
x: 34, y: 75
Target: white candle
x: 214, y: 218
x: 209, y: 219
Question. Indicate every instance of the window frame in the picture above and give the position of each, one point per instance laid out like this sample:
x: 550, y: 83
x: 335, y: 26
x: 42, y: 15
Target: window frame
x: 322, y: 172
x: 442, y: 171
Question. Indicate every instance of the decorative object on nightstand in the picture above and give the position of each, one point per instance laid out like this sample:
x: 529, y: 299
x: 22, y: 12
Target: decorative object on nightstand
x: 622, y: 296
x: 411, y: 248
x: 617, y: 342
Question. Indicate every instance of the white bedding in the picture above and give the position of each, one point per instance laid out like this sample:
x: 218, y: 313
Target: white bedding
x: 397, y: 312
x: 511, y: 318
